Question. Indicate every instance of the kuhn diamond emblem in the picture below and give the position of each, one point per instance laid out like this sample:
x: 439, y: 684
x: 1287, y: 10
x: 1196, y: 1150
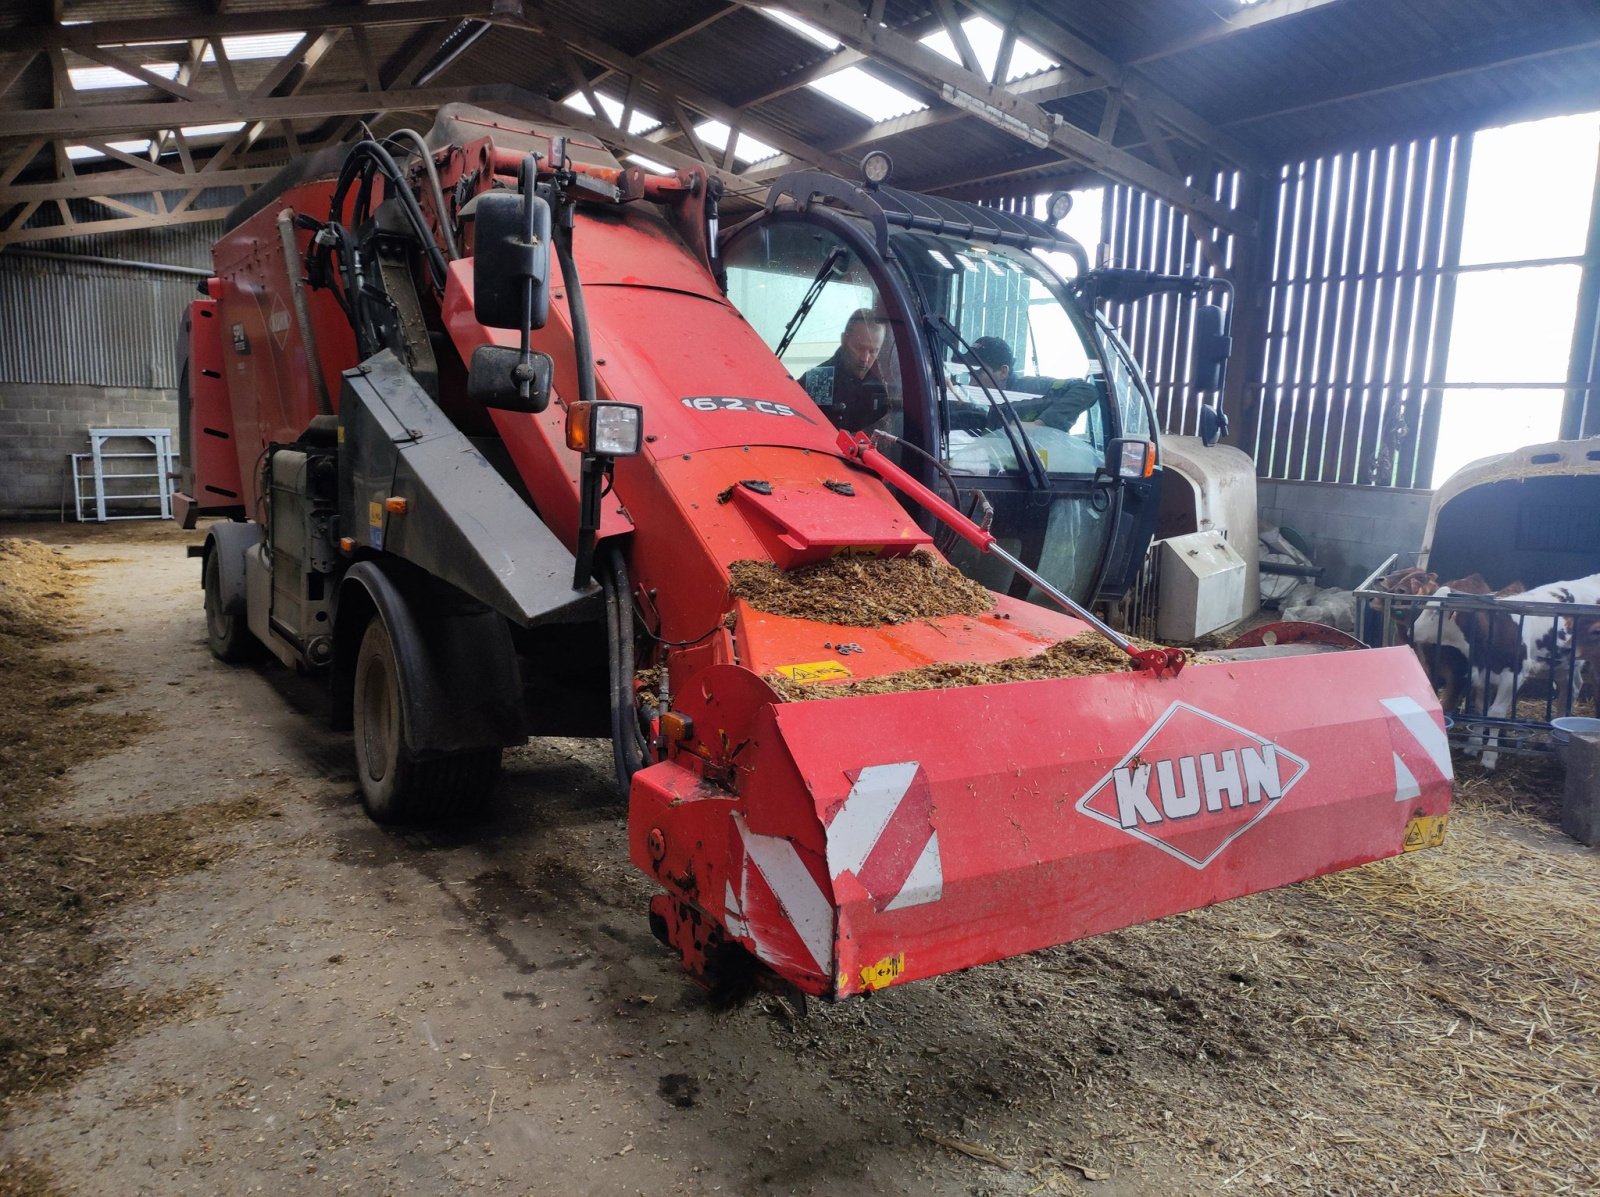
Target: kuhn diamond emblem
x: 1193, y: 784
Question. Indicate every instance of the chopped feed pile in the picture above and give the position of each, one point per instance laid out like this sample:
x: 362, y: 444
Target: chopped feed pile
x: 58, y: 879
x: 34, y: 583
x: 861, y: 592
x: 1079, y: 657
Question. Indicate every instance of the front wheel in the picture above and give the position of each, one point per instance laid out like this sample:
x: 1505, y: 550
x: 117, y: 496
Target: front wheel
x: 226, y: 633
x: 396, y: 785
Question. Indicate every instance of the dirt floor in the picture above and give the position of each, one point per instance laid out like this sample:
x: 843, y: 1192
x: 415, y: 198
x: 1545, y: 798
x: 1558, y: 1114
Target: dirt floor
x: 220, y: 977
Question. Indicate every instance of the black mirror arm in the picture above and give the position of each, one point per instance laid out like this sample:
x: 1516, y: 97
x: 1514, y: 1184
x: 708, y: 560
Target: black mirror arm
x: 524, y: 372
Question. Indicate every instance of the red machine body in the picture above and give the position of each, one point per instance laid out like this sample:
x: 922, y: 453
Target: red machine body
x: 852, y: 843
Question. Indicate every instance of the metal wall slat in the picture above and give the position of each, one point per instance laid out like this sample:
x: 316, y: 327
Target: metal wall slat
x: 1355, y: 310
x: 1269, y: 394
x: 1390, y: 207
x: 1427, y: 425
x: 1326, y: 415
x: 1405, y: 315
x: 1313, y: 391
x: 88, y: 324
x: 1426, y: 325
x: 1291, y: 452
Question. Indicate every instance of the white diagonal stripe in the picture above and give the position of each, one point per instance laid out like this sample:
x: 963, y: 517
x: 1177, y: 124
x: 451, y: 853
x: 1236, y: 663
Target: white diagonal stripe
x: 926, y: 882
x: 807, y: 907
x: 733, y: 912
x: 866, y: 811
x: 1427, y: 733
x: 1405, y: 784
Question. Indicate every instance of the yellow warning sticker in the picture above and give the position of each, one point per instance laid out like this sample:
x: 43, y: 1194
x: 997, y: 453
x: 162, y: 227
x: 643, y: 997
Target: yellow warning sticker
x: 375, y: 514
x: 886, y: 972
x: 1426, y: 832
x: 813, y: 671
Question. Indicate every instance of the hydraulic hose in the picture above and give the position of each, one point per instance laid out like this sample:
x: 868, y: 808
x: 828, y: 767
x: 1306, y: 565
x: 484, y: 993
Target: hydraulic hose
x: 420, y: 147
x: 384, y: 162
x: 627, y: 747
x: 581, y: 346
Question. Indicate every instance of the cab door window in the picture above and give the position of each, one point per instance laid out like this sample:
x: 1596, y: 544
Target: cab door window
x: 1020, y: 348
x: 811, y: 299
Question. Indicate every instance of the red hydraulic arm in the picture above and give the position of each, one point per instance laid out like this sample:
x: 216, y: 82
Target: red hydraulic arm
x: 1163, y: 662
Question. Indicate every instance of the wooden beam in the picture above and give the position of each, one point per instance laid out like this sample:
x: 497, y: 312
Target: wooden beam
x: 1013, y: 114
x: 1041, y: 88
x: 1487, y: 55
x: 13, y: 68
x: 951, y: 20
x: 666, y: 41
x: 1253, y: 17
x: 667, y: 84
x: 1049, y: 35
x: 224, y: 66
x: 128, y: 67
x: 80, y: 228
x: 24, y: 156
x: 31, y: 39
x: 103, y: 119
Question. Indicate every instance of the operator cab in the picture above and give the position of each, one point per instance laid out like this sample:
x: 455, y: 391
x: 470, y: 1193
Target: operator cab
x: 1009, y: 394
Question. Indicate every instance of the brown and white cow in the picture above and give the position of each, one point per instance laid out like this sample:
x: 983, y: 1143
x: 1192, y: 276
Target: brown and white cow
x: 1504, y: 647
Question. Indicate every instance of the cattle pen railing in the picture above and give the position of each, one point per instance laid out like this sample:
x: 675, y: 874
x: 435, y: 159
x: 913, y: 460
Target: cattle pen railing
x: 1539, y: 694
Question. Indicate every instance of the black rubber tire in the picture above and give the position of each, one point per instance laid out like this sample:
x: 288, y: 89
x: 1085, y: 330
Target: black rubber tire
x: 227, y: 635
x: 397, y: 786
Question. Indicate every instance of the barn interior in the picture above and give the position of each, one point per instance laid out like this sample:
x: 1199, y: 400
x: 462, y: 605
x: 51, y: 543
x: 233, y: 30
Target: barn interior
x: 1394, y: 206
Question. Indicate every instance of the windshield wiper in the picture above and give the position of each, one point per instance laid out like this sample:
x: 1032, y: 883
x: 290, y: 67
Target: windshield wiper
x: 824, y: 272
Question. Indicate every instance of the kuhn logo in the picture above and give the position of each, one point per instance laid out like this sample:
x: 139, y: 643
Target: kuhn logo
x: 1193, y: 784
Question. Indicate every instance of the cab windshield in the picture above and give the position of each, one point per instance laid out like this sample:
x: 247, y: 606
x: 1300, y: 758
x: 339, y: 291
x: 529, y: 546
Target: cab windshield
x: 1018, y: 367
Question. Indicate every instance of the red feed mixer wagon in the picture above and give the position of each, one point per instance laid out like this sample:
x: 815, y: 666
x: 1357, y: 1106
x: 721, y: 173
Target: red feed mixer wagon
x: 489, y: 491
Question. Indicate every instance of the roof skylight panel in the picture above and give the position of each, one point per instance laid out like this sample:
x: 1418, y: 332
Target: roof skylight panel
x: 639, y: 123
x: 255, y: 45
x: 866, y: 94
x: 79, y: 153
x: 745, y: 151
x: 806, y: 30
x: 98, y: 78
x: 984, y: 36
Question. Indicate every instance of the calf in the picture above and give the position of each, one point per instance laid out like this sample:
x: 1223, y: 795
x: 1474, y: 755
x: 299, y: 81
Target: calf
x: 1586, y: 647
x: 1503, y: 647
x: 1440, y: 641
x: 1405, y: 581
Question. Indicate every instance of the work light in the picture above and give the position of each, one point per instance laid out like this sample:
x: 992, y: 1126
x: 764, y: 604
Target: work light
x: 602, y: 429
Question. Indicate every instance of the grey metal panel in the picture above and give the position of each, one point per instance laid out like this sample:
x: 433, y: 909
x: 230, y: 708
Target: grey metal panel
x: 464, y: 523
x: 88, y: 323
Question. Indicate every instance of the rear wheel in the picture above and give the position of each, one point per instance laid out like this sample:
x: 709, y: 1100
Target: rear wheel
x: 226, y: 634
x: 396, y: 785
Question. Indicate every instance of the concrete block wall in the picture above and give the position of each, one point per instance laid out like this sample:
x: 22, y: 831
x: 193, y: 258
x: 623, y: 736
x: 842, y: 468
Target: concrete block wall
x: 41, y: 423
x: 1351, y: 528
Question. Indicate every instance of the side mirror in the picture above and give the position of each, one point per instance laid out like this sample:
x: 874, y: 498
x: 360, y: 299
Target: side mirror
x: 1130, y: 457
x: 511, y: 260
x: 496, y: 376
x: 1212, y: 345
x: 1213, y: 425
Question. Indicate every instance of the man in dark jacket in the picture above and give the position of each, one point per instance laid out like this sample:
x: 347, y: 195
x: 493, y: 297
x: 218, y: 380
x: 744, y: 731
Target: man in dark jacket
x: 849, y: 386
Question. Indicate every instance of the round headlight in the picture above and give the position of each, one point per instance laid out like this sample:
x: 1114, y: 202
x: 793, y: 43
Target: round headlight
x: 1058, y: 205
x: 876, y: 167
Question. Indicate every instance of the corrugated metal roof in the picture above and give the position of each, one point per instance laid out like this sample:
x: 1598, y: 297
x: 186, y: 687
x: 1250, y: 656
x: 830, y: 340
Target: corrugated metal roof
x: 1330, y: 75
